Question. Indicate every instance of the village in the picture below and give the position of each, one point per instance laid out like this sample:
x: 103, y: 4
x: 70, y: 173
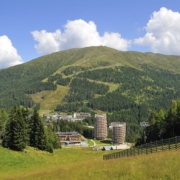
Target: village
x: 74, y: 117
x: 74, y: 139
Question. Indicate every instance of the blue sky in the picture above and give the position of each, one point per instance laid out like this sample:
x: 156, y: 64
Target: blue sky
x: 30, y: 29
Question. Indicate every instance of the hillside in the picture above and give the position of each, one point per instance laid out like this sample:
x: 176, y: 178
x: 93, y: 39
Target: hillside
x: 70, y: 163
x: 128, y: 85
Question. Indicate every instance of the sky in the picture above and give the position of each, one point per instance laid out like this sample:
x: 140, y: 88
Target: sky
x: 33, y: 28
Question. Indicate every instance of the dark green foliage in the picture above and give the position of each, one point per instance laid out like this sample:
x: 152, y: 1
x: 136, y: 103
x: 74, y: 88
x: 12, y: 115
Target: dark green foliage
x: 151, y: 88
x: 38, y: 136
x: 68, y: 126
x: 165, y: 124
x: 49, y: 148
x: 82, y: 89
x: 3, y: 121
x: 59, y: 80
x: 70, y: 107
x: 84, y: 108
x: 21, y: 130
x: 16, y: 81
x: 147, y: 82
x: 40, y: 86
x: 63, y: 81
x: 13, y: 97
x: 114, y: 101
x: 16, y: 136
x: 54, y: 78
x: 53, y: 141
x: 105, y: 75
x: 89, y: 121
x: 73, y: 69
x: 140, y: 93
x: 147, y: 74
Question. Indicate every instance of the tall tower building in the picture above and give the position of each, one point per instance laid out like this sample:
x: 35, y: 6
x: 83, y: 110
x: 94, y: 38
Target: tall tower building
x: 100, y: 126
x: 118, y: 132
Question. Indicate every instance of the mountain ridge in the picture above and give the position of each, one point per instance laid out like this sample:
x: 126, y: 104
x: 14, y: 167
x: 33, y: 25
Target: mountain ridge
x: 20, y: 82
x: 127, y: 86
x: 97, y: 50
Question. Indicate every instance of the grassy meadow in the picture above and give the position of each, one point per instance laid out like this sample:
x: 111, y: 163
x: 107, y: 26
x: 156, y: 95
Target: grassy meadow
x: 84, y: 163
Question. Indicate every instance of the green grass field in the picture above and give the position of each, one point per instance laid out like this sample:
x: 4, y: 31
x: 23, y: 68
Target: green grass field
x: 83, y: 163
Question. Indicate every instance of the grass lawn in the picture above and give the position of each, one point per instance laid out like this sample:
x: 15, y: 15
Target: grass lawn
x: 99, y: 143
x: 90, y: 142
x: 103, y: 142
x: 83, y: 163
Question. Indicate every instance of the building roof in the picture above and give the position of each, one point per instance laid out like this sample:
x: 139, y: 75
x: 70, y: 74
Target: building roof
x: 68, y: 133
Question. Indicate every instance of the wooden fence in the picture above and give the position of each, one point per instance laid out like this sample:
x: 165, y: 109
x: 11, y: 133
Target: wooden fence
x: 148, y: 148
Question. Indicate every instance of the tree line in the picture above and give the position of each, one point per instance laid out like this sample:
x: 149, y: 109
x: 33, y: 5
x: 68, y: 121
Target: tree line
x: 164, y: 123
x: 58, y: 79
x: 21, y: 128
x: 82, y: 89
x: 68, y: 126
x: 73, y: 69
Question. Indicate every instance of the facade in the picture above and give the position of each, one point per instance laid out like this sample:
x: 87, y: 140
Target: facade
x: 74, y: 117
x: 118, y: 132
x: 69, y: 137
x: 100, y: 126
x: 66, y: 117
x: 81, y: 115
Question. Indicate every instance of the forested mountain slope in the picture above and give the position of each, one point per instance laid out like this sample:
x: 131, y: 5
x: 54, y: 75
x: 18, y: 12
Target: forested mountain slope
x: 128, y: 85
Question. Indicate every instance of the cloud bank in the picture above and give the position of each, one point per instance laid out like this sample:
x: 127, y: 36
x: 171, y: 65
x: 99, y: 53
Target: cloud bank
x: 77, y: 34
x: 162, y: 32
x: 162, y: 35
x: 8, y: 54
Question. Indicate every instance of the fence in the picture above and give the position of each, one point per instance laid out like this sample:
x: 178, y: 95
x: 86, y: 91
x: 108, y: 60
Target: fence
x: 148, y: 148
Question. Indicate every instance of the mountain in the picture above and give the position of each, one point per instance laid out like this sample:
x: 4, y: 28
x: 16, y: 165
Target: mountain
x: 129, y: 85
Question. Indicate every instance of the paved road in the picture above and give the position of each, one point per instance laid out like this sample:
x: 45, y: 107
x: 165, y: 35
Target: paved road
x: 94, y: 143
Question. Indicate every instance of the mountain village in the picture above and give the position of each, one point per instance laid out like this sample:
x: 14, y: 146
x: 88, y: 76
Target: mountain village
x: 100, y: 130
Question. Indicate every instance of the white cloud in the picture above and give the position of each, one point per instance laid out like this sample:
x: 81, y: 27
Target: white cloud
x: 8, y: 54
x: 48, y: 42
x: 77, y: 34
x: 162, y: 32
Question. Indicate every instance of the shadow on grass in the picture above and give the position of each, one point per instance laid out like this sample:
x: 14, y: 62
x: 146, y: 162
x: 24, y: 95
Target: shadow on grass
x: 106, y: 141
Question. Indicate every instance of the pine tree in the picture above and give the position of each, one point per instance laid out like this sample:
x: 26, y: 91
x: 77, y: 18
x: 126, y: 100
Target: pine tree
x: 19, y: 132
x: 16, y: 132
x: 26, y: 117
x: 3, y: 121
x: 38, y: 136
x: 53, y: 140
x: 171, y: 119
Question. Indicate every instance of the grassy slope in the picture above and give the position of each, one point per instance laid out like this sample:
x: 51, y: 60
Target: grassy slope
x: 87, y: 164
x: 49, y: 99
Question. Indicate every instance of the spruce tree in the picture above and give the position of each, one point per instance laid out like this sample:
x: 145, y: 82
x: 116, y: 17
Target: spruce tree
x: 38, y: 136
x: 53, y: 140
x: 16, y: 132
x: 3, y: 121
x: 26, y: 117
x: 19, y: 132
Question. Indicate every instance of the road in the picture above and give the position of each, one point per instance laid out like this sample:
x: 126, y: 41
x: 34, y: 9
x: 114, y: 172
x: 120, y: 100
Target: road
x: 94, y: 143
